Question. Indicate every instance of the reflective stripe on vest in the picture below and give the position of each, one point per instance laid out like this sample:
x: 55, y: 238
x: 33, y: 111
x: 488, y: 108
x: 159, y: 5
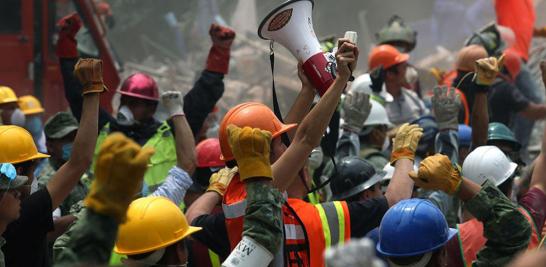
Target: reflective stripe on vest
x: 234, y: 210
x: 161, y: 161
x: 333, y: 222
x: 472, y: 240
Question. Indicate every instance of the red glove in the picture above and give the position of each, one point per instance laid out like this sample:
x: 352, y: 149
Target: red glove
x: 69, y: 27
x: 222, y: 38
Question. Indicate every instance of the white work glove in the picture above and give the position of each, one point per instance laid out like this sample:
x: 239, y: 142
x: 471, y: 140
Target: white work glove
x: 356, y: 108
x: 445, y: 106
x: 173, y: 102
x: 355, y: 253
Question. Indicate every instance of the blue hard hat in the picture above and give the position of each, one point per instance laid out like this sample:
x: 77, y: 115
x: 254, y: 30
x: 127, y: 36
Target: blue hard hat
x: 413, y: 227
x: 465, y: 135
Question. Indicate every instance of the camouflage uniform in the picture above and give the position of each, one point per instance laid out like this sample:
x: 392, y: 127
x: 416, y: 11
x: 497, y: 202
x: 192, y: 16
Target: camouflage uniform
x: 263, y: 217
x: 505, y: 228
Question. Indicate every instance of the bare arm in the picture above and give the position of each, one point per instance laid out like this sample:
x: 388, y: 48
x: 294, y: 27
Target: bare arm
x: 534, y: 111
x: 538, y: 179
x: 203, y: 205
x: 185, y: 144
x: 401, y: 185
x: 64, y: 180
x: 311, y: 129
x: 302, y: 104
x: 480, y: 119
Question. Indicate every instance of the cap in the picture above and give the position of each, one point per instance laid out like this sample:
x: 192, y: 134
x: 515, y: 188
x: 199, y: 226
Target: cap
x: 60, y: 125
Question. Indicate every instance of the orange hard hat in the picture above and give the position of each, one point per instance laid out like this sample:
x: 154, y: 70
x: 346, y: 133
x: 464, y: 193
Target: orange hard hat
x: 251, y: 114
x: 209, y: 154
x: 386, y: 56
x: 466, y: 59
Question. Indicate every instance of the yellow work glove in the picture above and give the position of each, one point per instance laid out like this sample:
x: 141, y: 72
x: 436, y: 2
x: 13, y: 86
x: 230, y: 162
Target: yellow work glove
x: 219, y: 181
x: 89, y: 73
x: 487, y: 70
x: 250, y: 148
x: 405, y: 142
x: 437, y: 173
x: 119, y: 171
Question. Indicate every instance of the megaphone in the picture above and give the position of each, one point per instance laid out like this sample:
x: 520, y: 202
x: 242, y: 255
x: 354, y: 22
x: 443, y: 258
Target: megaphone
x: 291, y: 25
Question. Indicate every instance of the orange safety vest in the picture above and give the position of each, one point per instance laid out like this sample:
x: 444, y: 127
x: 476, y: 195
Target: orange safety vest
x: 472, y: 240
x: 308, y: 229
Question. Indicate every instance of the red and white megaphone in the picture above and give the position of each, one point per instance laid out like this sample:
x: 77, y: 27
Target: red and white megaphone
x: 291, y: 25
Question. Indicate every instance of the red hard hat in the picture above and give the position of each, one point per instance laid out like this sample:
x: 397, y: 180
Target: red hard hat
x: 141, y: 86
x: 386, y: 56
x: 512, y: 63
x: 255, y: 115
x: 208, y: 154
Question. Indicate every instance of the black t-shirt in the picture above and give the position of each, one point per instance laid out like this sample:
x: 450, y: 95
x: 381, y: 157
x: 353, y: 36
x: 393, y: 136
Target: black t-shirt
x: 505, y: 100
x: 26, y: 238
x: 365, y: 216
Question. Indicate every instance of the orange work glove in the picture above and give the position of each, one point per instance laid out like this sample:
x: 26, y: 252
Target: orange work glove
x: 89, y: 72
x: 405, y: 142
x: 438, y: 173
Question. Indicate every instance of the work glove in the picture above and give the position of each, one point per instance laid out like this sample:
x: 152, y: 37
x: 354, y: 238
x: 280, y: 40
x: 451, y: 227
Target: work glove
x: 222, y: 38
x: 405, y: 142
x: 250, y: 148
x: 68, y: 28
x: 356, y: 252
x: 173, y: 102
x: 89, y: 72
x: 445, y: 105
x: 356, y: 108
x: 219, y: 181
x: 487, y: 70
x: 119, y: 171
x: 438, y: 173
x: 377, y: 76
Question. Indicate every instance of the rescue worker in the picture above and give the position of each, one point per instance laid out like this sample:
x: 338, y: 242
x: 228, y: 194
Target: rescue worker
x: 177, y: 181
x: 119, y: 173
x: 488, y: 163
x: 140, y: 97
x: 425, y: 229
x: 402, y: 104
x: 60, y: 131
x: 26, y: 237
x: 430, y: 130
x: 465, y: 141
x: 10, y: 202
x: 11, y: 113
x: 355, y: 180
x: 372, y: 136
x: 33, y: 111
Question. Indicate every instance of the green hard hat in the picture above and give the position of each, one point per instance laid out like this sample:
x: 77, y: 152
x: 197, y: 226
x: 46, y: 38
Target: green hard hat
x: 397, y: 31
x: 500, y: 132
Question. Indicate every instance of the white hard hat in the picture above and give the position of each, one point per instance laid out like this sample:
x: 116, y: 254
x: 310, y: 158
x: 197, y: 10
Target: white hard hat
x: 488, y: 162
x: 389, y: 170
x: 362, y: 84
x: 378, y: 115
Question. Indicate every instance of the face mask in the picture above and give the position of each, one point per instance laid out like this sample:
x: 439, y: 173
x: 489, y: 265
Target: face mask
x: 18, y: 118
x: 34, y: 186
x: 34, y: 126
x: 67, y: 150
x: 125, y: 116
x: 411, y: 76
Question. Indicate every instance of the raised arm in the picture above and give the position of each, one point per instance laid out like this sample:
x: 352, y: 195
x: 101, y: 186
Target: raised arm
x: 310, y: 131
x: 486, y: 72
x: 402, y: 156
x: 89, y: 72
x: 67, y: 53
x: 303, y: 102
x: 185, y: 142
x: 209, y: 88
x: 538, y: 179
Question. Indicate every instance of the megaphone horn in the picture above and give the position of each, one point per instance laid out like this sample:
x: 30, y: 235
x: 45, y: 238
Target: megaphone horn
x: 291, y: 25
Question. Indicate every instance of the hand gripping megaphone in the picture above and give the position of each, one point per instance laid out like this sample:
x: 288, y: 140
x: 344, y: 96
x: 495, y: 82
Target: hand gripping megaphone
x: 291, y: 25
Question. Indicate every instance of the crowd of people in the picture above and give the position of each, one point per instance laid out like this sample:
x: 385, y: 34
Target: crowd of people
x: 415, y: 177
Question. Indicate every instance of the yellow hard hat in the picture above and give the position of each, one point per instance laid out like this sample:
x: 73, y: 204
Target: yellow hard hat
x: 152, y: 223
x: 30, y: 105
x: 7, y: 95
x: 17, y: 145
